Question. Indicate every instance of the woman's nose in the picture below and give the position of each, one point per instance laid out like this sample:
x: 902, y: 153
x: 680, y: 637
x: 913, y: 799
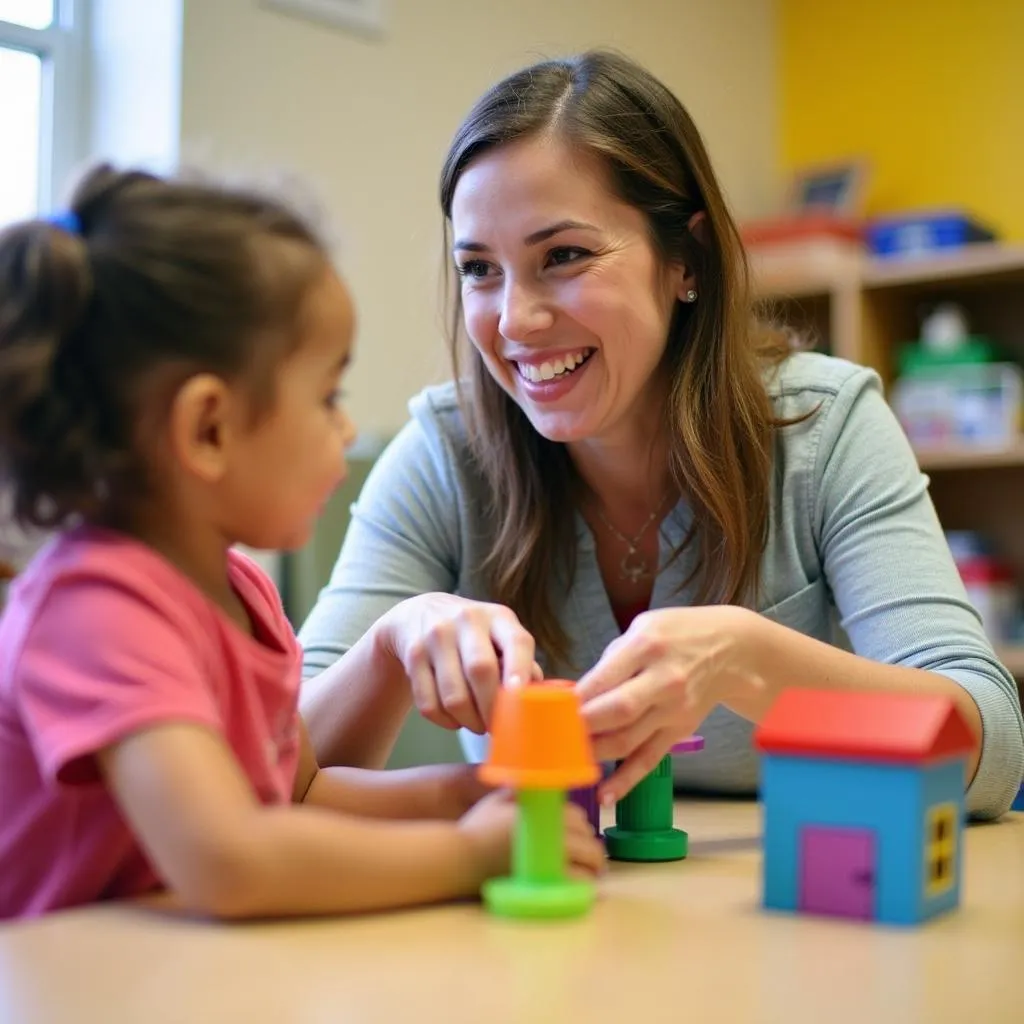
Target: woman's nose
x: 524, y: 311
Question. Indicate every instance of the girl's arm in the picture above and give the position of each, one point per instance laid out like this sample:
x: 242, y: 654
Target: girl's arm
x: 439, y: 791
x: 223, y: 853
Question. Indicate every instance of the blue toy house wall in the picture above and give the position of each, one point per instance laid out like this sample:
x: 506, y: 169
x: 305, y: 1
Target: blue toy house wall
x: 944, y: 783
x: 1018, y: 803
x: 890, y: 800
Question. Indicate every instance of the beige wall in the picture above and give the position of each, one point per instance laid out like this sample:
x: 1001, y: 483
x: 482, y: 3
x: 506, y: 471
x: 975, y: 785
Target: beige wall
x: 366, y: 124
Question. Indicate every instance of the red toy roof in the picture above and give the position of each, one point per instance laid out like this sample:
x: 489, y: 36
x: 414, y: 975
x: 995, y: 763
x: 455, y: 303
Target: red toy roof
x: 908, y: 728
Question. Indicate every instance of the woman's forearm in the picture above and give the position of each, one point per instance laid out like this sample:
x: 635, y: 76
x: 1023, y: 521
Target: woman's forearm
x: 354, y: 709
x: 782, y: 657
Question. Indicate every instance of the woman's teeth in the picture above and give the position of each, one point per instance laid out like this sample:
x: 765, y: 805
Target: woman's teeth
x: 560, y: 367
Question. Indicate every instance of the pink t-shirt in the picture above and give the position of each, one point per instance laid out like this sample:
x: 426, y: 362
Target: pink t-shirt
x: 101, y: 638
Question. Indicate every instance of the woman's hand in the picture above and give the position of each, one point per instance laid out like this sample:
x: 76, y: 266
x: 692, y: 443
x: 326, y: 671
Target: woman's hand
x: 457, y: 653
x: 656, y: 683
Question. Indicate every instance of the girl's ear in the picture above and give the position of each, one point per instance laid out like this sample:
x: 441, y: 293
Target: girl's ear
x: 201, y: 425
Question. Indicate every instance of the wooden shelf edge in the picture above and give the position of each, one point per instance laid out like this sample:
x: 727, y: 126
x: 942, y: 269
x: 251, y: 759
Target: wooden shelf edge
x: 967, y: 457
x: 979, y: 260
x: 1012, y: 656
x: 817, y: 269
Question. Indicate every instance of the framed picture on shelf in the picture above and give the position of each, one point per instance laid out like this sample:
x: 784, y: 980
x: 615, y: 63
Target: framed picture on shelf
x: 366, y: 17
x: 837, y: 188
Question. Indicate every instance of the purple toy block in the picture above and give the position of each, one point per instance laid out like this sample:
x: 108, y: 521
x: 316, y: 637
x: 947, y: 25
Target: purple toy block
x: 688, y: 746
x: 837, y: 872
x: 586, y: 798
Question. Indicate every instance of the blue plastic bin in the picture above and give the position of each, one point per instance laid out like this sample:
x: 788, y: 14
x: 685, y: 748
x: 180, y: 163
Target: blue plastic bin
x: 921, y: 233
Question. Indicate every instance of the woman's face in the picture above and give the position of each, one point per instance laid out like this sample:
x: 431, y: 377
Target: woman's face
x: 563, y: 294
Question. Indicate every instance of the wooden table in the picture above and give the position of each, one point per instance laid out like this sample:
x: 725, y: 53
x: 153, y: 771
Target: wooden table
x: 675, y: 942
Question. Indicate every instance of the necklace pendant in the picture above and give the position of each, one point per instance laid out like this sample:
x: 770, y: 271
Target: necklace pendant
x: 633, y: 566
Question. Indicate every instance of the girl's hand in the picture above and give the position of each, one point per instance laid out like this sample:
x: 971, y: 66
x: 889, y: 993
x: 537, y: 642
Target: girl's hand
x: 490, y: 826
x: 656, y: 683
x: 461, y: 789
x: 457, y: 653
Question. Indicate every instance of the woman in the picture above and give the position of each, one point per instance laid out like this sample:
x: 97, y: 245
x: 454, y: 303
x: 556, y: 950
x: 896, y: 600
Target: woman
x: 636, y: 483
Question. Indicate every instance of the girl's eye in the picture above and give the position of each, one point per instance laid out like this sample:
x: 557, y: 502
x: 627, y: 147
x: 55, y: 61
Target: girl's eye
x: 475, y: 269
x: 335, y: 399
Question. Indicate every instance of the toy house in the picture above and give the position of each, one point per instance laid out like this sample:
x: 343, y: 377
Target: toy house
x: 863, y: 798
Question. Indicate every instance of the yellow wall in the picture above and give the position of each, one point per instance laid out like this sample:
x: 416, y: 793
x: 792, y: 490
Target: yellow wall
x: 932, y: 91
x: 366, y: 123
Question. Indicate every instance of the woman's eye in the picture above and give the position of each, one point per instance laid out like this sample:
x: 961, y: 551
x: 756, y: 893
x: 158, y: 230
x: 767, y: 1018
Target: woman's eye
x: 566, y: 254
x: 475, y: 269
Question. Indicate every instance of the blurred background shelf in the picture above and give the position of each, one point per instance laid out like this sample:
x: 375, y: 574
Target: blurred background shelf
x: 864, y: 308
x: 962, y: 457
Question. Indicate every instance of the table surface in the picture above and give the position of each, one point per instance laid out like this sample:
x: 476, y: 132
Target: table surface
x: 668, y: 942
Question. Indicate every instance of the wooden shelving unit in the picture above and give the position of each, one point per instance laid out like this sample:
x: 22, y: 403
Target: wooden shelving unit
x: 862, y: 308
x: 955, y: 457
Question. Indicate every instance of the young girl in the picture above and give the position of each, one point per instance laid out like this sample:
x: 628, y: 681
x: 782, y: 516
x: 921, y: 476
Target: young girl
x: 170, y: 355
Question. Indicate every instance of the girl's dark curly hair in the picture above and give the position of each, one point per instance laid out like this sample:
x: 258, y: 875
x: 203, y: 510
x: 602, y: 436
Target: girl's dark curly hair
x: 150, y: 281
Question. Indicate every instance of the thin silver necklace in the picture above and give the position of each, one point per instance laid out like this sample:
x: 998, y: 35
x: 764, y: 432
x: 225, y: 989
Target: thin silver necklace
x: 634, y: 566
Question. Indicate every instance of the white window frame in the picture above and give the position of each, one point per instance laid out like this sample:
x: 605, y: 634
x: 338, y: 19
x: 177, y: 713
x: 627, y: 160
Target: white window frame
x: 64, y: 108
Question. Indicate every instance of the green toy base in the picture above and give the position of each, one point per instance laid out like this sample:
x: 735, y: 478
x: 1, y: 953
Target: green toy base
x: 514, y: 897
x: 664, y: 844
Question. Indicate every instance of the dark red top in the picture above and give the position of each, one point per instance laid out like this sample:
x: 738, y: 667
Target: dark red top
x: 625, y: 614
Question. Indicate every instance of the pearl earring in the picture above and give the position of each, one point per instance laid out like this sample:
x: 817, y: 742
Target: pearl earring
x: 691, y: 296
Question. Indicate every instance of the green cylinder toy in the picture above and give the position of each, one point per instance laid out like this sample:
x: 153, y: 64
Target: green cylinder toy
x: 643, y: 829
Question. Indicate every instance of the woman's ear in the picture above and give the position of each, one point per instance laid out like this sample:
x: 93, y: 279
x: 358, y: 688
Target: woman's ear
x: 697, y: 226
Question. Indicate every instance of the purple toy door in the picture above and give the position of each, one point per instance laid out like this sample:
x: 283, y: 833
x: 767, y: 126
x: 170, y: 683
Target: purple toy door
x: 837, y: 872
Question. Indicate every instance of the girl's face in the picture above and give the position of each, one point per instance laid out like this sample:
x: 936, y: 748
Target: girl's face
x: 285, y: 469
x: 563, y: 294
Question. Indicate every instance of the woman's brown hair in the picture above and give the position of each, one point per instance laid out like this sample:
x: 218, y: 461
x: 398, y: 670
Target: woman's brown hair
x: 140, y: 276
x: 718, y: 415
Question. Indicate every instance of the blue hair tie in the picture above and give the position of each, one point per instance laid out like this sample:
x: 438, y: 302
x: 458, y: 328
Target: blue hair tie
x: 66, y: 220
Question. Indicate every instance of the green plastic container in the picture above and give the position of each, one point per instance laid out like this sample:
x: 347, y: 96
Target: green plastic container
x: 643, y: 829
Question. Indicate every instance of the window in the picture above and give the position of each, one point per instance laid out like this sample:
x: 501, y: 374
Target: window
x: 41, y: 101
x: 940, y: 849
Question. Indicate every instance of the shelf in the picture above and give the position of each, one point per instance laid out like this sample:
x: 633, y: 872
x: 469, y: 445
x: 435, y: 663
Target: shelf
x: 965, y: 457
x: 1012, y: 656
x: 804, y: 269
x: 819, y: 268
x: 987, y: 261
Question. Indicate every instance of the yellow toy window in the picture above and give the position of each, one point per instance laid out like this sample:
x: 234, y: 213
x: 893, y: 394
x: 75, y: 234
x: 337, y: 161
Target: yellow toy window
x: 940, y: 849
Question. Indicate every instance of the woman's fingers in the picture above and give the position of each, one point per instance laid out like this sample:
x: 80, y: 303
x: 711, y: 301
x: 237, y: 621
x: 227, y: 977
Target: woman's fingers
x: 458, y: 653
x: 481, y: 670
x: 515, y: 645
x: 636, y: 767
x: 425, y: 693
x: 621, y: 708
x: 620, y: 743
x: 453, y: 689
x: 622, y: 659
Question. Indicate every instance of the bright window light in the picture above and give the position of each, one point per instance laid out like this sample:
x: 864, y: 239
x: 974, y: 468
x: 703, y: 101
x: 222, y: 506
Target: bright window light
x: 30, y: 13
x: 20, y: 112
